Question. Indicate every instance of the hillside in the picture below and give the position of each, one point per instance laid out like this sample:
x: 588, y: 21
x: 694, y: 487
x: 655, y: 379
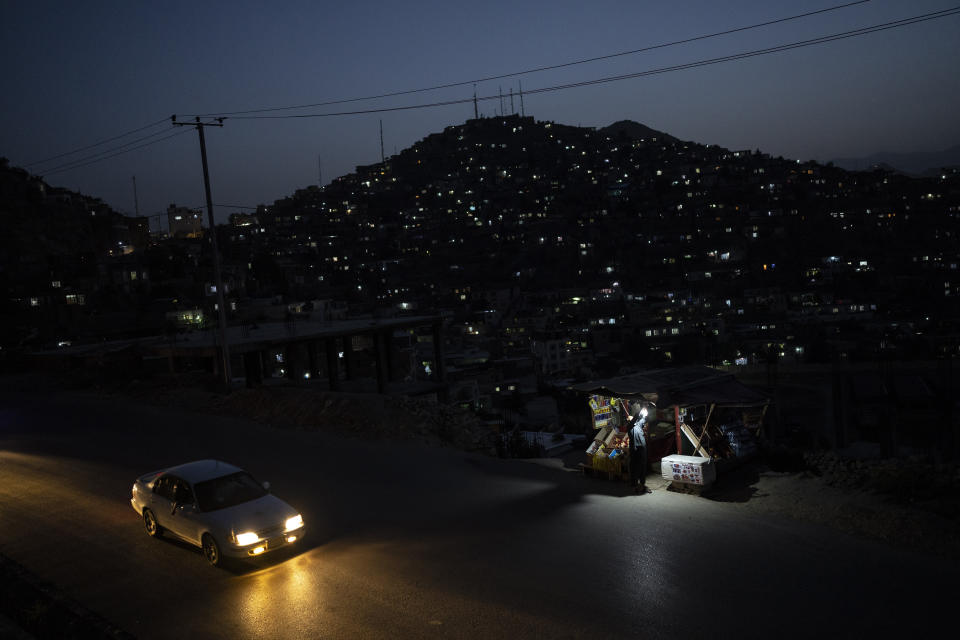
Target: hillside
x: 920, y: 163
x: 622, y: 226
x: 502, y: 200
x: 40, y: 220
x: 634, y: 131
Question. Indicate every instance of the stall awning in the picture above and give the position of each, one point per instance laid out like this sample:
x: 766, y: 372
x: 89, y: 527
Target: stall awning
x: 723, y: 393
x: 681, y: 386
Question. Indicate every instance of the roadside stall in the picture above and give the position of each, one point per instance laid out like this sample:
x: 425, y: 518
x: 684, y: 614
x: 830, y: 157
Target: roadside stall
x: 700, y: 421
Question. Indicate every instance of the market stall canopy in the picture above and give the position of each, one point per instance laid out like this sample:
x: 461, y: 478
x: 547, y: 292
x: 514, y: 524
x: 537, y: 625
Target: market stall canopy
x: 681, y: 386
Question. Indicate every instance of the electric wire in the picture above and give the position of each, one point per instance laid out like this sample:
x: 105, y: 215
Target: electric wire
x: 78, y: 164
x: 757, y: 52
x: 690, y: 65
x: 96, y: 144
x: 110, y: 153
x: 117, y: 148
x: 115, y: 151
x: 536, y: 69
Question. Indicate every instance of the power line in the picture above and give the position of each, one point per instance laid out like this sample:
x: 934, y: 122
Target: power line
x: 96, y: 144
x: 110, y: 153
x: 758, y: 52
x: 690, y: 65
x: 79, y: 163
x: 111, y: 150
x: 538, y: 69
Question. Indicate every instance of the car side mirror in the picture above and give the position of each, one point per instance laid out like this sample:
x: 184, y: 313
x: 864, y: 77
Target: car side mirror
x: 266, y: 486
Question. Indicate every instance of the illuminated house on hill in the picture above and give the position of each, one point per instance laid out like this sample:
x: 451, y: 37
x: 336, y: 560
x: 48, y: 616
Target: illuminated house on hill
x: 185, y: 222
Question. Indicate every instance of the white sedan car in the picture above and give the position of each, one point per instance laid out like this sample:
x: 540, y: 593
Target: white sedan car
x: 218, y: 507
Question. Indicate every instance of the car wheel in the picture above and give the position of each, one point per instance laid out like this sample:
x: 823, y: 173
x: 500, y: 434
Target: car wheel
x: 151, y: 525
x: 211, y: 550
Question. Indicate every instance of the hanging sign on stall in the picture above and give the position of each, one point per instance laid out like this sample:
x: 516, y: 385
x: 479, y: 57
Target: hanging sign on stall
x: 603, y: 409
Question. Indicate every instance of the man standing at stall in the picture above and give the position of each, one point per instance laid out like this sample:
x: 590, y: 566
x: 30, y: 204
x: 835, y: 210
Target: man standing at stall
x: 638, y: 449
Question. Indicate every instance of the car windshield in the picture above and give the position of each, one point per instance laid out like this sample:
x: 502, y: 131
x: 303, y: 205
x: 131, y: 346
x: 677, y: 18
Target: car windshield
x: 228, y: 491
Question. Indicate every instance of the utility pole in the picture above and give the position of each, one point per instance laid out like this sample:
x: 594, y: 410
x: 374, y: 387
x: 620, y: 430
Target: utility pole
x: 218, y: 280
x: 522, y: 114
x: 136, y: 203
x: 382, y: 158
x: 476, y: 114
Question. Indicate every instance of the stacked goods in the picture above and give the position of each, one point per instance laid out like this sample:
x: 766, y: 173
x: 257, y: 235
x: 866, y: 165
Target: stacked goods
x: 607, y: 452
x: 741, y: 441
x: 598, y: 447
x: 612, y: 459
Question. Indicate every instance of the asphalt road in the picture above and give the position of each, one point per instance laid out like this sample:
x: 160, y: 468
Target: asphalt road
x: 411, y: 541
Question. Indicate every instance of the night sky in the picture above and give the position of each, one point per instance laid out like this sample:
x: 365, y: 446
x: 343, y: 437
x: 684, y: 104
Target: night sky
x: 80, y: 72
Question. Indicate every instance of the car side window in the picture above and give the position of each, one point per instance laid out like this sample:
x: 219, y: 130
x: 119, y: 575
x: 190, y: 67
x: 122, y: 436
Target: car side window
x: 165, y: 487
x: 182, y: 493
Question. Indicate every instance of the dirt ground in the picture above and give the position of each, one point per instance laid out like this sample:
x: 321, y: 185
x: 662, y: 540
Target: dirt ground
x: 881, y: 500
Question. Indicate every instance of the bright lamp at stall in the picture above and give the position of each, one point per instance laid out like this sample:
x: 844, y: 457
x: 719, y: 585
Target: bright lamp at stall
x: 643, y: 412
x: 246, y: 538
x: 294, y: 523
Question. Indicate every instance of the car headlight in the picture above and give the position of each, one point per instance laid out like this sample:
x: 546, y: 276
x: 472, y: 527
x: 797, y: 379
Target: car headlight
x: 294, y: 523
x: 246, y: 538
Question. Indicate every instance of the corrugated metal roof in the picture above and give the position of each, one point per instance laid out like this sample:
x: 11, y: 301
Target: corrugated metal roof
x: 683, y: 386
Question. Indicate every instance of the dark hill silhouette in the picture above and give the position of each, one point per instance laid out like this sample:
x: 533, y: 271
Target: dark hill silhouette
x: 919, y: 163
x: 634, y: 130
x: 40, y: 220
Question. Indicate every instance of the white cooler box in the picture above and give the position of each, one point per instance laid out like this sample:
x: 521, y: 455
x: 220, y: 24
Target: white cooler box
x: 688, y: 470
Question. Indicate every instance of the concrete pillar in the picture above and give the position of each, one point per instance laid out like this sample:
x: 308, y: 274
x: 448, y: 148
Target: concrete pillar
x: 379, y: 343
x: 313, y: 359
x: 290, y: 360
x: 265, y: 364
x: 348, y: 357
x: 438, y: 353
x: 388, y: 354
x: 443, y: 393
x: 333, y: 373
x: 252, y: 369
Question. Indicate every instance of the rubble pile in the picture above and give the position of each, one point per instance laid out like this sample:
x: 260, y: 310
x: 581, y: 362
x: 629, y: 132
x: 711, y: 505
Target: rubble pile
x: 916, y: 480
x: 359, y: 414
x: 362, y: 415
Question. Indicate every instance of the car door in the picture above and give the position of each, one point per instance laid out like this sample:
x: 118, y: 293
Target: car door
x: 185, y: 516
x: 167, y: 504
x: 161, y: 500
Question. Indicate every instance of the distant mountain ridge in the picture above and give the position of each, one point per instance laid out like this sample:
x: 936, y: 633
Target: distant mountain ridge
x: 918, y: 163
